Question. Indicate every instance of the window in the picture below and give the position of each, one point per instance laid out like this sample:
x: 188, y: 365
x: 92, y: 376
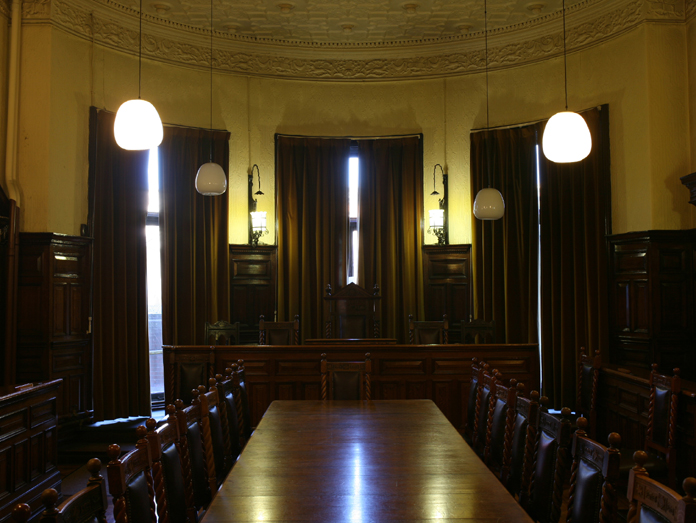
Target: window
x: 353, y: 166
x: 154, y: 283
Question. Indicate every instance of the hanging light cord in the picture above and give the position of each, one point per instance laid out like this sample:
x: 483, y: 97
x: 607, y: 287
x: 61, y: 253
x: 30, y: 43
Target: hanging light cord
x: 485, y: 38
x: 140, y: 46
x: 565, y: 59
x: 211, y: 80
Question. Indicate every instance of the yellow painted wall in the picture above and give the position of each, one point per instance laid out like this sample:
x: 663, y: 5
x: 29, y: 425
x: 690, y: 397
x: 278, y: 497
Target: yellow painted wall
x: 649, y: 122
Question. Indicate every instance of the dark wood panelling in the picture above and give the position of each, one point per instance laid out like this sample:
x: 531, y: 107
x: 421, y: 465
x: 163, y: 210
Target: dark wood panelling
x: 27, y: 446
x: 437, y: 372
x: 653, y: 300
x: 623, y: 402
x: 53, y: 338
x: 447, y: 285
x: 252, y: 287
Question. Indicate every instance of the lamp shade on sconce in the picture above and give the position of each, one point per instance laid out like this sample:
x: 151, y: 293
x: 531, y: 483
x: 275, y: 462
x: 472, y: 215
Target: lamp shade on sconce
x: 258, y: 221
x: 211, y: 180
x: 437, y: 218
x: 566, y: 138
x: 489, y: 204
x: 138, y: 126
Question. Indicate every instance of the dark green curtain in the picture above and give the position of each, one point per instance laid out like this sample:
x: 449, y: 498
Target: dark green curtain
x: 121, y: 377
x: 194, y: 236
x: 312, y: 214
x: 575, y: 218
x: 391, y: 213
x: 504, y: 252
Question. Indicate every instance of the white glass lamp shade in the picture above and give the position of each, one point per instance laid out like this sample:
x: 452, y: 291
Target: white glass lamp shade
x: 489, y: 204
x: 437, y: 218
x: 211, y: 180
x: 138, y: 126
x: 258, y: 221
x: 566, y: 138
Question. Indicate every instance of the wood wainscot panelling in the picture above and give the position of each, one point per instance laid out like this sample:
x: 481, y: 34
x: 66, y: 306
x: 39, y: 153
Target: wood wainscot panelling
x: 53, y: 309
x: 253, y: 277
x: 28, y: 446
x: 437, y: 372
x: 623, y: 401
x: 652, y: 300
x: 447, y: 285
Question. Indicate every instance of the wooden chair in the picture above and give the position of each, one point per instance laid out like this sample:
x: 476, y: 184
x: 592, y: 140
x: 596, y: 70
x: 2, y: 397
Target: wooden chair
x: 470, y: 426
x: 230, y: 420
x: 222, y: 331
x: 588, y: 384
x: 478, y: 331
x: 279, y: 332
x: 484, y: 398
x: 592, y: 496
x: 168, y: 466
x: 87, y: 505
x: 501, y: 425
x: 550, y: 466
x: 523, y: 444
x: 213, y: 438
x: 427, y: 332
x: 243, y: 405
x: 346, y: 380
x: 351, y: 313
x: 651, y: 501
x: 194, y: 458
x: 131, y: 484
x: 187, y: 370
x: 660, y: 437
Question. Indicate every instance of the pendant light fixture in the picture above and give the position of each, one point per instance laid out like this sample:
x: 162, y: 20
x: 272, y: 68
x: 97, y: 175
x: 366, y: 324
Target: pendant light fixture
x: 211, y: 179
x: 489, y: 204
x: 138, y: 126
x: 566, y: 135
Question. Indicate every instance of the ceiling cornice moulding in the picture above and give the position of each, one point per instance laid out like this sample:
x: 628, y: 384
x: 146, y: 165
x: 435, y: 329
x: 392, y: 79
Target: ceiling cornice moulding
x: 109, y: 25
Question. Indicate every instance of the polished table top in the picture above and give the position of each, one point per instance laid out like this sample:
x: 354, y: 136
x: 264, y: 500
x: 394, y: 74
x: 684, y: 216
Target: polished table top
x: 334, y: 461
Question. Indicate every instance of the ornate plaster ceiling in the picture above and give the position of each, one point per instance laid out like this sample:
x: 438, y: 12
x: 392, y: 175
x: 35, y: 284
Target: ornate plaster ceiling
x: 348, y: 21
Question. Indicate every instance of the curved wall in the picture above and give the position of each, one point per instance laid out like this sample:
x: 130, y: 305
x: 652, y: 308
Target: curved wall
x: 645, y: 75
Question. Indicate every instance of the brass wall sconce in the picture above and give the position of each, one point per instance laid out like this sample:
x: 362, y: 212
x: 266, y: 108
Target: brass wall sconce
x: 257, y: 220
x: 438, y: 217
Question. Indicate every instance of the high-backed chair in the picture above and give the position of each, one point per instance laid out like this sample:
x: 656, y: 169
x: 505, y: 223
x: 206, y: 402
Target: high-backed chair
x: 230, y: 419
x: 470, y: 427
x: 550, y: 466
x: 243, y: 404
x: 592, y: 495
x: 478, y: 331
x: 223, y: 333
x: 194, y: 458
x: 131, y: 484
x: 87, y: 505
x: 427, y: 332
x: 660, y: 436
x: 524, y: 439
x: 167, y: 463
x: 651, y: 501
x: 588, y: 384
x: 486, y: 396
x: 211, y: 423
x: 351, y: 312
x: 187, y: 370
x: 279, y: 332
x: 346, y: 380
x: 501, y: 425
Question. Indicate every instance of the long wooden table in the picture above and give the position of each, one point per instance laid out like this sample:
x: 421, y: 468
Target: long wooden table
x: 333, y: 461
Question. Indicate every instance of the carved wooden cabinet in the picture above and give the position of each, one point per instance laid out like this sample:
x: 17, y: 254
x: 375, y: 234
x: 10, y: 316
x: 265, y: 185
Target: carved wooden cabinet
x: 652, y: 300
x: 252, y: 287
x: 447, y: 285
x: 53, y: 325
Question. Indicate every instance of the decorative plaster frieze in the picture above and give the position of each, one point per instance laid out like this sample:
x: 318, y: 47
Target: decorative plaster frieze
x: 5, y: 8
x: 690, y: 9
x: 36, y: 9
x: 170, y: 43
